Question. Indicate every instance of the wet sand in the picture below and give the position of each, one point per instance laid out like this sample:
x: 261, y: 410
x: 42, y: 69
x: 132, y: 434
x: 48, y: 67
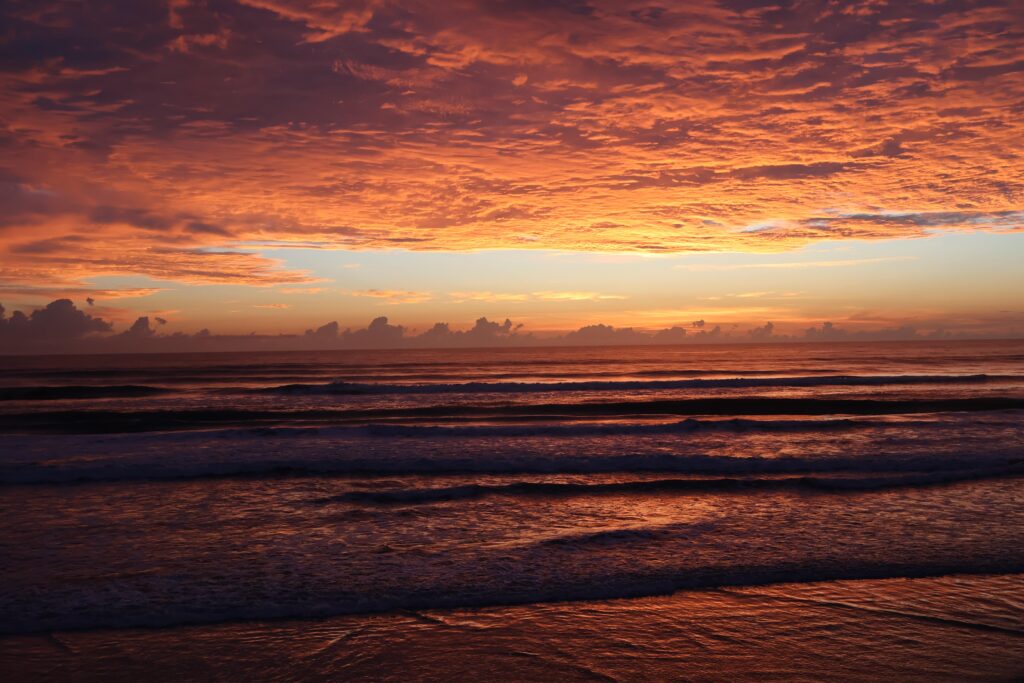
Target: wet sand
x: 946, y: 629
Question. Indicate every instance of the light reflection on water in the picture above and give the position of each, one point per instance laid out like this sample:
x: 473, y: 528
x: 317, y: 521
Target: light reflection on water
x: 513, y: 526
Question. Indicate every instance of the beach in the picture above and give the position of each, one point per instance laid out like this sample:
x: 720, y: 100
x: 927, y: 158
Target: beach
x: 954, y: 628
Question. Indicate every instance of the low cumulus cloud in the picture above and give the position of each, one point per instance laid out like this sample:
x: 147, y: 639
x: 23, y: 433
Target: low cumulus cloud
x: 62, y: 327
x: 59, y: 320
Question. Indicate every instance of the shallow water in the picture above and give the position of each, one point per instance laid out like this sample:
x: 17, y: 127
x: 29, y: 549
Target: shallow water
x: 224, y: 488
x: 945, y: 629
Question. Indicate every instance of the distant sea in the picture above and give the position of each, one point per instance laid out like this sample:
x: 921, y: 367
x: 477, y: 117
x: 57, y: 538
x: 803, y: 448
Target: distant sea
x: 170, y: 491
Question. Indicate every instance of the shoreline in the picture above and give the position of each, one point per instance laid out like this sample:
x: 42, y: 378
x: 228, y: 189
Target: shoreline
x: 946, y: 628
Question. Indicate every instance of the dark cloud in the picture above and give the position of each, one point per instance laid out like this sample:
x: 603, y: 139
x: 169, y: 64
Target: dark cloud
x: 59, y: 321
x: 60, y: 327
x: 672, y: 335
x: 22, y: 202
x: 604, y: 335
x: 765, y: 332
x: 378, y: 334
x: 146, y: 219
x: 140, y: 330
x: 56, y: 245
x: 830, y: 332
x: 938, y: 219
x: 880, y: 225
x: 888, y: 148
x: 328, y: 332
x: 820, y: 169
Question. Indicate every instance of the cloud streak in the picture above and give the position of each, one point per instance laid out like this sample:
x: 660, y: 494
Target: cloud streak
x: 791, y: 265
x: 392, y: 296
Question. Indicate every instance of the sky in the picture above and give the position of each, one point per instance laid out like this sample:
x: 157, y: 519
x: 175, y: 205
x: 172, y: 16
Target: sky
x: 270, y: 166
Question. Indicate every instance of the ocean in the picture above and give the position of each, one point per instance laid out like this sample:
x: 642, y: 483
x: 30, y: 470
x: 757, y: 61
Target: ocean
x: 624, y: 513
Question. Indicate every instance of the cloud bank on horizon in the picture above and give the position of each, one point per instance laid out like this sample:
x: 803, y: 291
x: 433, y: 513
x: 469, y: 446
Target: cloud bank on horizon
x: 60, y: 327
x: 177, y: 140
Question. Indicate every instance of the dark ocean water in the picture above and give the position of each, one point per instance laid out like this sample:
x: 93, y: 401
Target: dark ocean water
x: 167, y: 490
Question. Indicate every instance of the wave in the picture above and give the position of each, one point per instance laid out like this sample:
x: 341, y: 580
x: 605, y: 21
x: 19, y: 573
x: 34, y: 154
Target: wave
x: 412, y: 371
x: 341, y: 388
x: 227, y: 381
x: 689, y: 425
x: 626, y: 536
x: 415, y: 496
x: 137, y: 461
x: 100, y: 421
x: 60, y: 393
x: 360, y: 388
x: 277, y: 604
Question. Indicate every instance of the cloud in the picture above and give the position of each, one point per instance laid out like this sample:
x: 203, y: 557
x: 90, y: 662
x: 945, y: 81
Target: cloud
x: 820, y: 169
x: 393, y: 296
x: 762, y: 333
x: 576, y: 296
x: 59, y: 320
x: 90, y: 293
x: 60, y: 327
x: 301, y: 290
x: 323, y: 20
x: 328, y: 332
x: 184, y: 133
x: 607, y: 335
x: 547, y: 295
x: 887, y: 148
x: 139, y: 331
x: 877, y: 225
x: 378, y: 334
x: 68, y: 263
x: 791, y: 265
x: 491, y: 297
x: 992, y: 220
x: 830, y: 332
x: 272, y: 306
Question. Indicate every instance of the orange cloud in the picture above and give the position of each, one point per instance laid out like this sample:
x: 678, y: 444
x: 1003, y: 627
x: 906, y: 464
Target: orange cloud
x: 575, y: 296
x: 395, y: 296
x: 505, y: 297
x: 80, y: 292
x: 791, y: 265
x: 492, y: 297
x: 159, y: 143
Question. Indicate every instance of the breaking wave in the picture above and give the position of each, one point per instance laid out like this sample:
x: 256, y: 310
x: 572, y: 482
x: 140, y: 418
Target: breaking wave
x: 100, y: 421
x: 130, y: 462
x: 681, y: 486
